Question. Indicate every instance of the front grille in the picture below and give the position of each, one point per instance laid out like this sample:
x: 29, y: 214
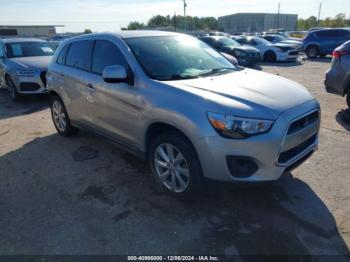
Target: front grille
x: 29, y: 87
x: 293, y: 152
x: 303, y: 122
x: 43, y: 77
x: 294, y: 53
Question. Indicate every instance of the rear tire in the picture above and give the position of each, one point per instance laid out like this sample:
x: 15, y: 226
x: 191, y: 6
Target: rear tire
x: 348, y: 98
x: 15, y: 96
x: 312, y: 52
x: 270, y: 57
x: 60, y: 117
x: 175, y: 164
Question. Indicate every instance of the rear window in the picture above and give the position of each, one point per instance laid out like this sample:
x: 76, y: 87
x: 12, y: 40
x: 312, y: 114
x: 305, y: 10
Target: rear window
x: 79, y: 55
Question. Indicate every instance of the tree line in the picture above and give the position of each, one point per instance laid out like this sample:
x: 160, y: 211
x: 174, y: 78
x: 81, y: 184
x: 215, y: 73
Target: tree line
x: 194, y: 23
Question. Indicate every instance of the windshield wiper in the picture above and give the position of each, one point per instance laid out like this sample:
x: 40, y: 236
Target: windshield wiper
x: 175, y: 77
x: 218, y: 70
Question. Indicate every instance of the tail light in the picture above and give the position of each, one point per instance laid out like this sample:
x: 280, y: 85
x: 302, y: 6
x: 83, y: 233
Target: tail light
x: 339, y: 54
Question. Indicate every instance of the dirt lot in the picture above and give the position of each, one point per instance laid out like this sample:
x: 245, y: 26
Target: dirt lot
x: 85, y: 196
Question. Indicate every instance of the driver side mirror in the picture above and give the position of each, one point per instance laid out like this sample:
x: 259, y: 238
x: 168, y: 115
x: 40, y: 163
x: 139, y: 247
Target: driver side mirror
x: 115, y: 74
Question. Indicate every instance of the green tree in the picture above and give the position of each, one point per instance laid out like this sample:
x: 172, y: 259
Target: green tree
x: 135, y: 26
x: 87, y: 31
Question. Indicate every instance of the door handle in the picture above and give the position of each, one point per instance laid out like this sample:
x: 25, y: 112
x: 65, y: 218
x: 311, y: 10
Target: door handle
x: 91, y: 88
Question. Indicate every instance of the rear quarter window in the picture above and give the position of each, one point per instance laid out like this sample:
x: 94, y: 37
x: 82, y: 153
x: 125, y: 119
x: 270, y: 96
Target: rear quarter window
x: 327, y: 33
x: 61, y: 60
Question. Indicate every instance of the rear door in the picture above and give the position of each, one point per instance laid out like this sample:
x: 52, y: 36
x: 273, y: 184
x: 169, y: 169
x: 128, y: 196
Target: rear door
x: 77, y: 75
x: 328, y: 40
x: 343, y: 36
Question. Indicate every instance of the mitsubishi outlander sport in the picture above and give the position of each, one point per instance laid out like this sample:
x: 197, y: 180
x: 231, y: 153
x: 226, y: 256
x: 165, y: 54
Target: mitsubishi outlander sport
x: 180, y: 104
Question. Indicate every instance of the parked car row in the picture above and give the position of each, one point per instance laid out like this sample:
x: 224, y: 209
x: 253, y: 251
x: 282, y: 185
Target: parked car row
x: 176, y: 102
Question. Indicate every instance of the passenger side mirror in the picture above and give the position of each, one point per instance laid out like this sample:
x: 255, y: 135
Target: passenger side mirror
x: 115, y: 74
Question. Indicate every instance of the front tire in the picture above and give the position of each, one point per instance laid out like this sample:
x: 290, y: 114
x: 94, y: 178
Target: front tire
x: 60, y: 117
x: 15, y: 96
x: 175, y: 164
x: 348, y: 98
x: 312, y: 52
x: 270, y: 57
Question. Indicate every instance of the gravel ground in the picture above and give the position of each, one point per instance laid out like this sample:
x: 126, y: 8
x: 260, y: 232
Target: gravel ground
x: 84, y: 195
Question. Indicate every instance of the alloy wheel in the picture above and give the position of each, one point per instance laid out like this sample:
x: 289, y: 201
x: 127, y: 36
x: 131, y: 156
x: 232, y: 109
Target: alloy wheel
x: 171, y: 167
x: 59, y: 116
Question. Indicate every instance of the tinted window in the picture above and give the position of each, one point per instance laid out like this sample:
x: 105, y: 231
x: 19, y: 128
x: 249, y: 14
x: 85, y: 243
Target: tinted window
x: 62, y: 57
x: 79, y: 55
x: 344, y: 33
x: 106, y: 54
x: 327, y: 33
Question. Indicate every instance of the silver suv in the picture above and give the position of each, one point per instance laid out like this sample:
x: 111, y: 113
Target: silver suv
x: 183, y: 106
x: 23, y: 65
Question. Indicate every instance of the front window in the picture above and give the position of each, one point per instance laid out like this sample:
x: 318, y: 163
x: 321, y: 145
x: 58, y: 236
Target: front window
x: 177, y: 57
x: 27, y: 49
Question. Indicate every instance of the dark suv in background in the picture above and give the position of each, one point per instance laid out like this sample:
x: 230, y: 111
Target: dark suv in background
x: 323, y: 42
x: 338, y: 76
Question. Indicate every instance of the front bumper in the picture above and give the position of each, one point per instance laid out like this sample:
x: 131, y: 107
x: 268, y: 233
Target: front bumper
x: 264, y: 150
x: 31, y: 84
x: 288, y: 56
x: 249, y: 60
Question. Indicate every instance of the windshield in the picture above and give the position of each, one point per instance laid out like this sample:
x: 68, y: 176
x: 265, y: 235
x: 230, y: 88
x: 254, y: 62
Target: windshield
x: 279, y: 38
x: 177, y: 57
x: 261, y: 41
x: 228, y: 42
x: 27, y: 49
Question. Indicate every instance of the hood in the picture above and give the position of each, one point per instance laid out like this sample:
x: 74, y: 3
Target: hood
x: 249, y: 93
x: 291, y: 42
x: 247, y: 48
x: 284, y: 45
x: 37, y: 62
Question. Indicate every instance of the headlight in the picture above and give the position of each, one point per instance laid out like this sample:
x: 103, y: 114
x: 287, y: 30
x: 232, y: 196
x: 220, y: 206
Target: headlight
x: 25, y: 72
x: 237, y: 127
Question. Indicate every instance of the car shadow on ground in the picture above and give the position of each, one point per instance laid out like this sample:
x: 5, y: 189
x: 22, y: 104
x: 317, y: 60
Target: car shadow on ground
x: 282, y: 64
x: 343, y: 118
x: 56, y: 186
x: 26, y: 105
x: 327, y: 59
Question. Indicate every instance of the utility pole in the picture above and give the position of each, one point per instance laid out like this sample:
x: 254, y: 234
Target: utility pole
x: 185, y: 6
x: 319, y: 14
x: 175, y: 22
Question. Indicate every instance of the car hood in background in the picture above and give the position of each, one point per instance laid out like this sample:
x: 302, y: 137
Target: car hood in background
x: 39, y: 62
x: 247, y: 48
x: 284, y: 45
x: 258, y: 94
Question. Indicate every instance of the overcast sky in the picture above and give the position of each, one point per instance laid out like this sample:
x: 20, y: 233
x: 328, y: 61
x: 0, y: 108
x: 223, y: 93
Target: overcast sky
x: 111, y: 15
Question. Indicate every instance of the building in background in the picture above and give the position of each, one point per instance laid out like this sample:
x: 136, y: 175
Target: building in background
x: 28, y: 30
x: 257, y: 22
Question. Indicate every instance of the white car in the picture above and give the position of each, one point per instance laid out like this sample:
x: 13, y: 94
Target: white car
x: 271, y: 52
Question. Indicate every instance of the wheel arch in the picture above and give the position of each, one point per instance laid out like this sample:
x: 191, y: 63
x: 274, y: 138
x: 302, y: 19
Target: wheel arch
x: 158, y: 127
